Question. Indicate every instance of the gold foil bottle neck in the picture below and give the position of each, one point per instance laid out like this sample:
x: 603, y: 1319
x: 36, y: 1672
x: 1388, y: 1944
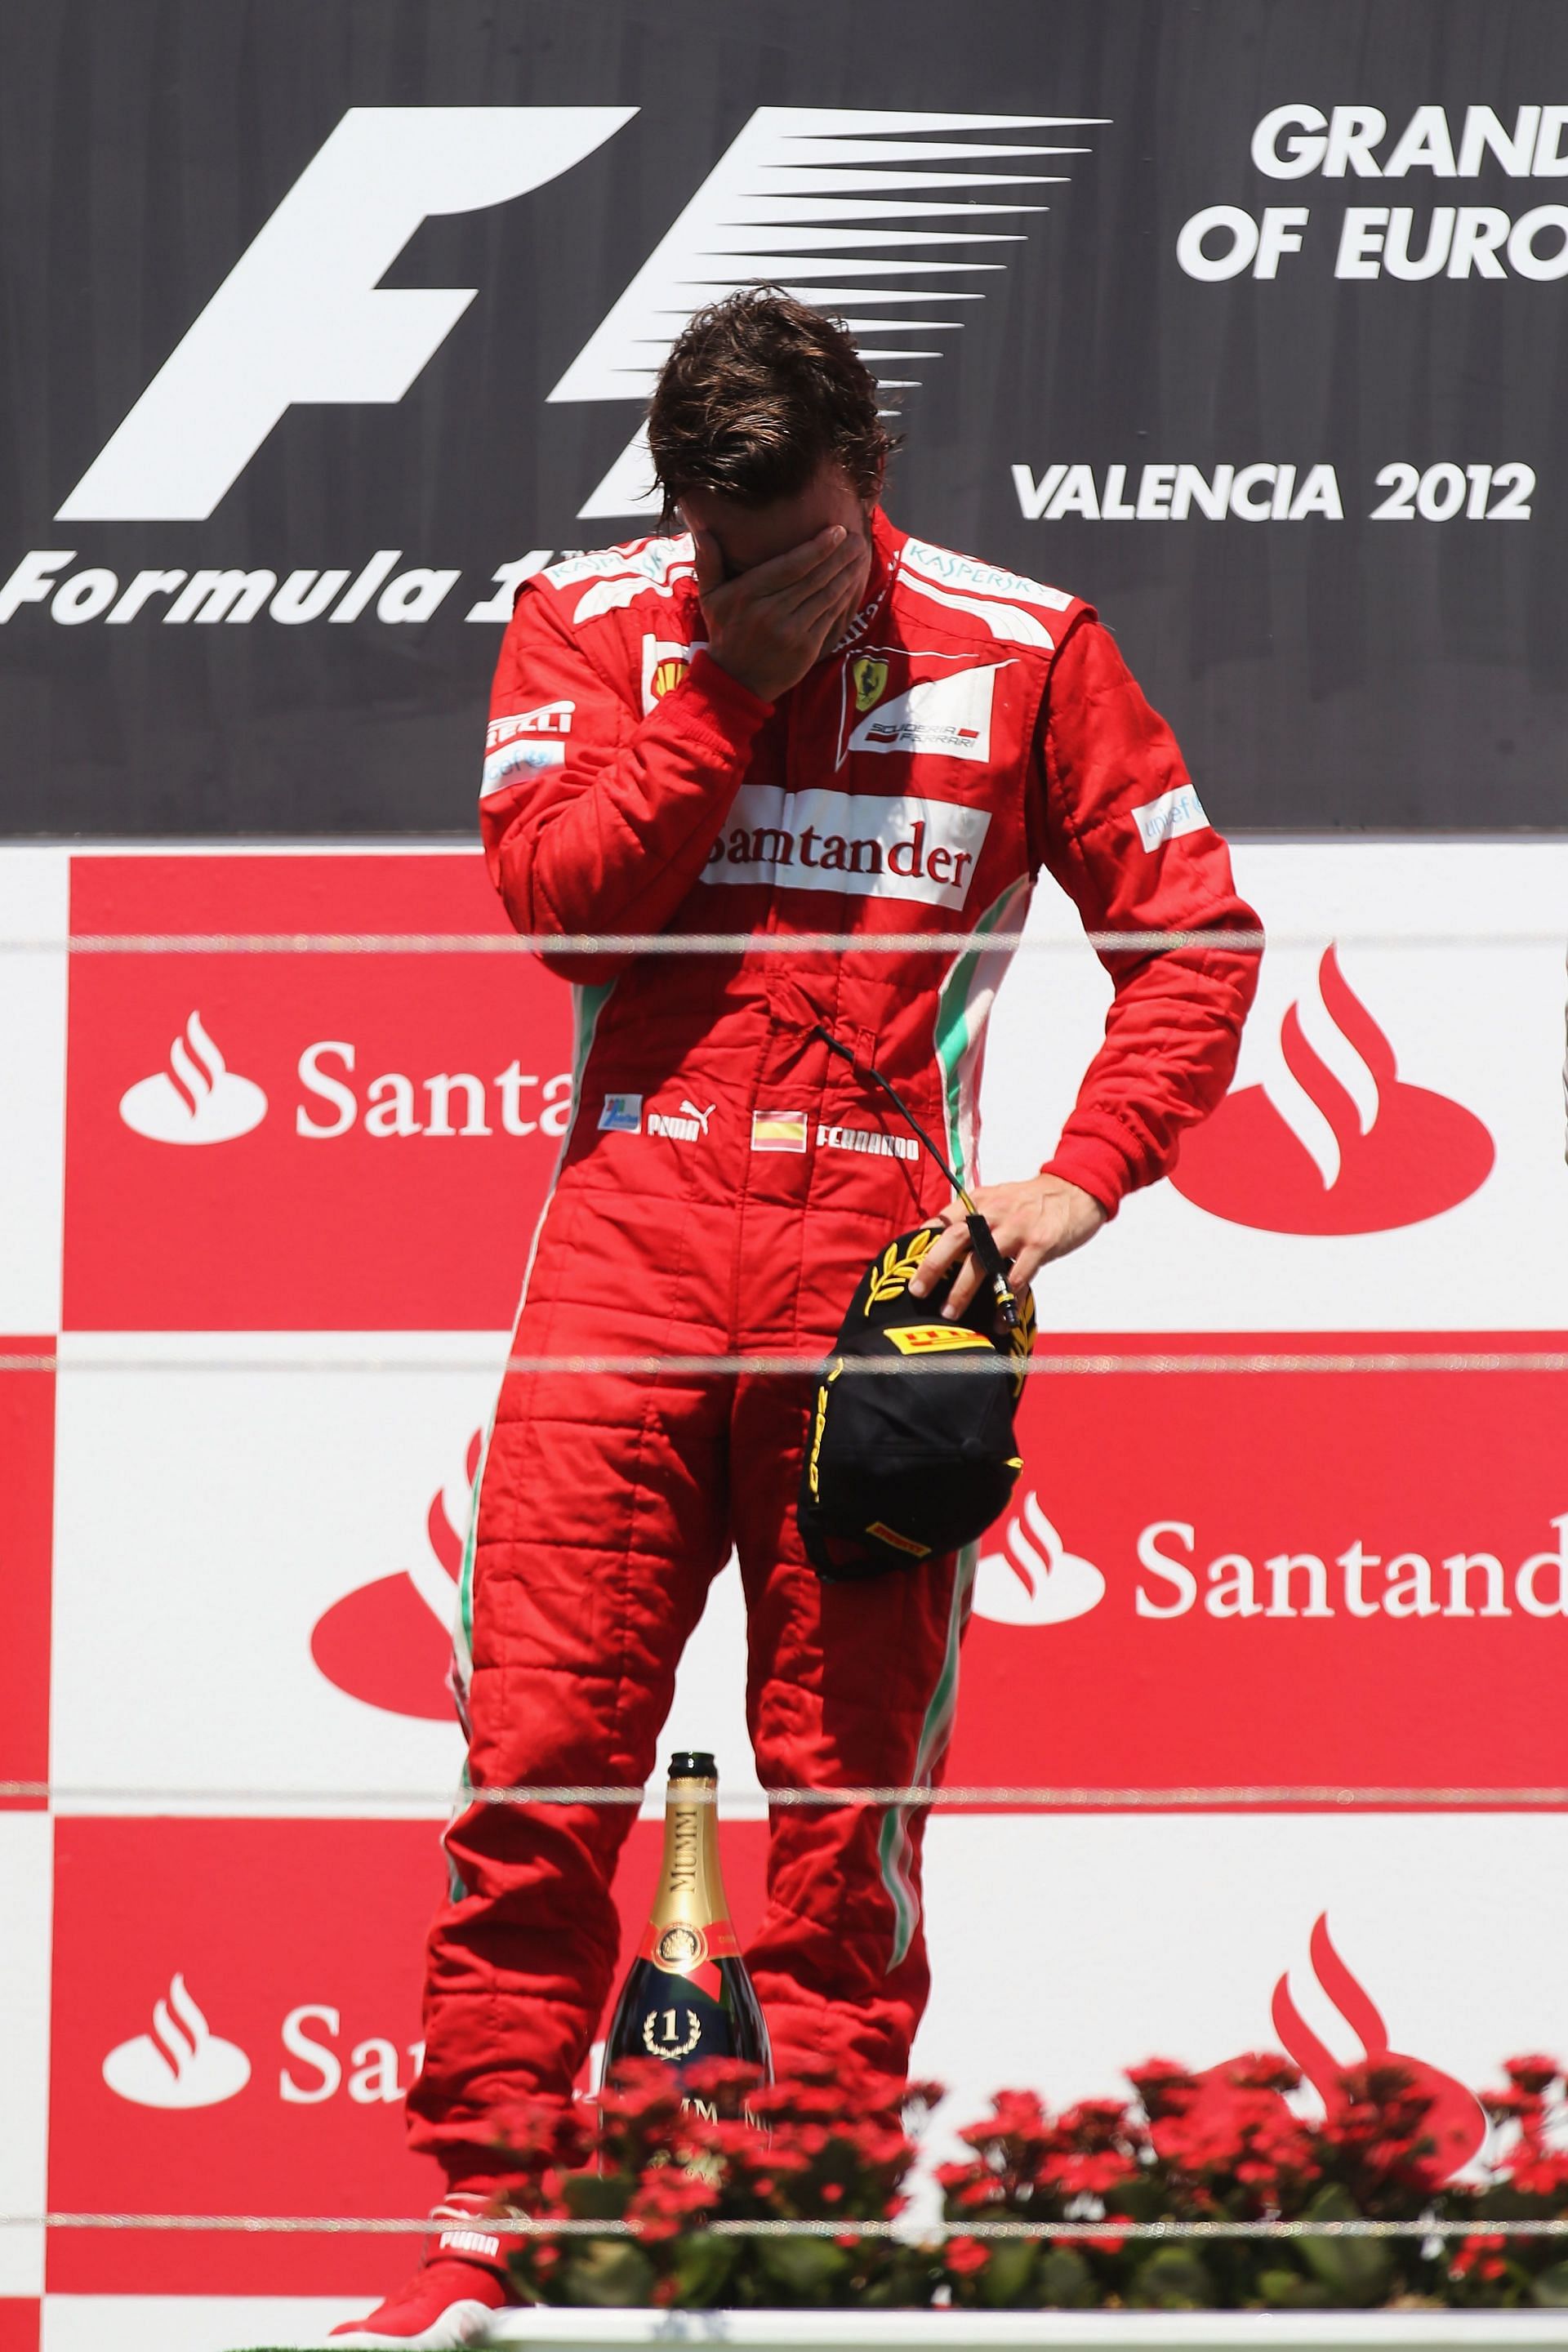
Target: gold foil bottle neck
x: 690, y: 1883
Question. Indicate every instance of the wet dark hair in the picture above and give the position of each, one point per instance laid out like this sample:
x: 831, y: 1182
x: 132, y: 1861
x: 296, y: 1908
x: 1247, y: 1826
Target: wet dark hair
x: 757, y: 393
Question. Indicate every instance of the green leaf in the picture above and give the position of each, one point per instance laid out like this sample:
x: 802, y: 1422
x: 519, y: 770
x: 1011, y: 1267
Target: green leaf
x: 803, y: 2269
x: 1551, y: 2288
x: 1284, y: 2290
x: 1173, y: 2278
x: 597, y: 2196
x: 1141, y: 2199
x: 607, y: 2274
x: 703, y: 2266
x: 905, y: 2281
x: 1358, y: 2272
x: 1063, y: 2280
x: 1008, y: 2278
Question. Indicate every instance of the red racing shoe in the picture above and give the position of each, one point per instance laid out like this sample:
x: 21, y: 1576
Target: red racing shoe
x: 449, y: 2302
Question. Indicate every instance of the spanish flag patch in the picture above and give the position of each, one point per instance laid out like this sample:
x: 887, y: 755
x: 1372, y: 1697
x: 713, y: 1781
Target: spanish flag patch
x: 779, y: 1130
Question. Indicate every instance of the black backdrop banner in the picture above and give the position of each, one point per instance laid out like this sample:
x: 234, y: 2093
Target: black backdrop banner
x: 328, y: 319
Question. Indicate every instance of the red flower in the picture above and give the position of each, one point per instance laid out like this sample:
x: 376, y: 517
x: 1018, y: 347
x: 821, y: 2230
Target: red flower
x: 1164, y: 2086
x: 1087, y: 2175
x: 1016, y: 2114
x: 668, y: 2201
x: 966, y: 2255
x: 1514, y: 2106
x: 980, y: 2192
x: 1533, y: 2073
x: 1263, y: 2070
x: 1538, y: 2172
x: 1479, y: 2257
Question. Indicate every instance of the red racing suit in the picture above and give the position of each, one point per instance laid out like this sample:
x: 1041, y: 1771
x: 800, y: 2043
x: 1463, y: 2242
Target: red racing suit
x: 723, y: 1181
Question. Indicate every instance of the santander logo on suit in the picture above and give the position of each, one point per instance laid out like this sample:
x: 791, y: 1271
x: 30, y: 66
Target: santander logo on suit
x: 856, y: 845
x: 868, y: 845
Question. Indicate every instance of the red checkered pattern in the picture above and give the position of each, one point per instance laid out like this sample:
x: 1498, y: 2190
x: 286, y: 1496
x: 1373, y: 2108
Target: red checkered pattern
x: 230, y: 1184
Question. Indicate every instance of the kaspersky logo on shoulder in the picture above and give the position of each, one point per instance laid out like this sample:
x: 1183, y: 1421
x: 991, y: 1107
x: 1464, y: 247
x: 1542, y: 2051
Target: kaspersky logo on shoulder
x: 197, y: 1099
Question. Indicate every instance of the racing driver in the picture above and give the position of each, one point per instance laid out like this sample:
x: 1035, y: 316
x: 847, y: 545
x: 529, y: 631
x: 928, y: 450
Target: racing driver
x: 788, y: 719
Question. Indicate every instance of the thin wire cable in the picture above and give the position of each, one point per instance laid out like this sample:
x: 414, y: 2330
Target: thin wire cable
x: 746, y: 943
x: 525, y: 2226
x: 1189, y: 1797
x: 632, y: 943
x: 1054, y: 1365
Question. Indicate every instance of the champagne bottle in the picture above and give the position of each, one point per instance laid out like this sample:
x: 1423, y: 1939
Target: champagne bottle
x: 686, y: 1996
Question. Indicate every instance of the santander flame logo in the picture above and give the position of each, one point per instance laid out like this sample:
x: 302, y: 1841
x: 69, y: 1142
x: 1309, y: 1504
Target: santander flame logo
x: 182, y: 2062
x: 1346, y: 1149
x: 1455, y: 2122
x: 197, y: 1099
x: 1036, y: 1581
x: 389, y: 1643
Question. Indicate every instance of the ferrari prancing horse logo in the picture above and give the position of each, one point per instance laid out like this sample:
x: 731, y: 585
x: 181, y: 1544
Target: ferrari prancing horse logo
x: 870, y: 675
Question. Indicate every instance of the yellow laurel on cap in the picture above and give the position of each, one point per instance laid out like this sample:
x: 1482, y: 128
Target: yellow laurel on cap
x: 893, y: 1274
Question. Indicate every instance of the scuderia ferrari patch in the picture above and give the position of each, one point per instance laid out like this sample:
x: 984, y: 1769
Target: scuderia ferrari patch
x: 947, y: 717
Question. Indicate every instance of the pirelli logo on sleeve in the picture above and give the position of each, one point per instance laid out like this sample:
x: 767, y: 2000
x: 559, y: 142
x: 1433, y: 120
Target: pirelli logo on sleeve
x: 525, y: 739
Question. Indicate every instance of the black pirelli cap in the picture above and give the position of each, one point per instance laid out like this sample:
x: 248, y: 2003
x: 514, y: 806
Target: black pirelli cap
x: 902, y: 1467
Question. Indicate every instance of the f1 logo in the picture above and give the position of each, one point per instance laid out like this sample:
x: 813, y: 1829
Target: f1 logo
x: 301, y: 317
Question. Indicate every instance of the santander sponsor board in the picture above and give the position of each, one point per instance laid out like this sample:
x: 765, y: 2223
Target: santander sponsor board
x: 286, y: 1545
x: 287, y: 1140
x: 1390, y: 1155
x: 1302, y: 1579
x: 389, y: 1642
x: 1332, y: 1939
x: 253, y: 2047
x: 250, y: 2050
x: 26, y: 1512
